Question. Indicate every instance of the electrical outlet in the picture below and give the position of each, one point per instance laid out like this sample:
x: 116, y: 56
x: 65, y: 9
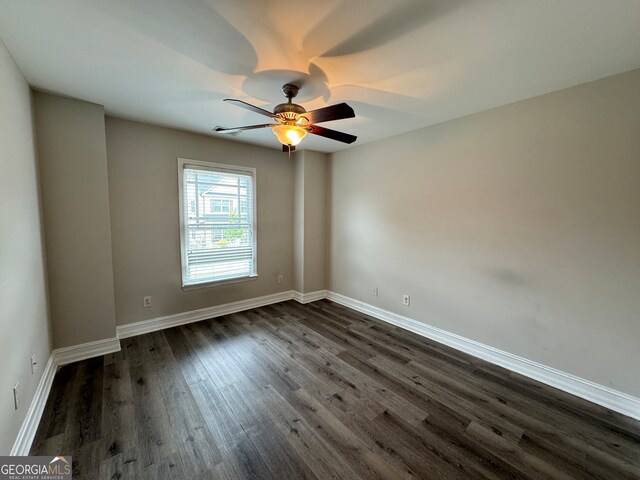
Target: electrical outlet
x: 280, y: 279
x: 406, y: 300
x: 147, y: 302
x: 34, y: 362
x: 16, y: 395
x: 375, y: 291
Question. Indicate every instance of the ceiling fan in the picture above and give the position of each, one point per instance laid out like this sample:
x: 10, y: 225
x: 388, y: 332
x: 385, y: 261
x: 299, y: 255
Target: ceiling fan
x: 293, y: 122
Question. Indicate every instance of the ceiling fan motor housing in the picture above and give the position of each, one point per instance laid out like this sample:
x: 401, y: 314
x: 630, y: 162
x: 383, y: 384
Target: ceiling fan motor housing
x: 289, y: 110
x: 289, y: 107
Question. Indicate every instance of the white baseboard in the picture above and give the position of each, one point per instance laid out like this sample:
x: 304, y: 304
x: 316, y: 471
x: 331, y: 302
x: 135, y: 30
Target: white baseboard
x: 593, y: 392
x: 309, y: 297
x: 62, y: 356
x: 58, y: 357
x: 160, y: 323
x: 27, y: 432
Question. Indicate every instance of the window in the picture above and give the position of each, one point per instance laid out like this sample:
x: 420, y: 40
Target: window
x: 218, y: 239
x: 221, y: 205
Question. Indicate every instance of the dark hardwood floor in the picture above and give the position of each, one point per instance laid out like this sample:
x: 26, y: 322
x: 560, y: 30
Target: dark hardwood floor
x: 319, y: 391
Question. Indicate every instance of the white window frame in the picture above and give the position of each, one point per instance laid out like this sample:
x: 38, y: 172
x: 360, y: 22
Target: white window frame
x: 182, y: 162
x: 223, y: 202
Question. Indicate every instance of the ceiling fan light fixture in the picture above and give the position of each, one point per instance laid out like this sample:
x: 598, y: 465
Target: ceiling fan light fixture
x: 291, y: 122
x: 289, y: 134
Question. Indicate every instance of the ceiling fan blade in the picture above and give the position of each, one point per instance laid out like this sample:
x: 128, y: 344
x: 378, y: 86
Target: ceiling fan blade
x: 248, y: 106
x: 240, y: 129
x: 332, y: 112
x: 332, y: 134
x: 288, y: 148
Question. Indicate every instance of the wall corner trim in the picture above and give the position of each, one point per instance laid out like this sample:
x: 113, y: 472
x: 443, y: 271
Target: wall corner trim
x: 593, y: 392
x: 58, y: 357
x: 309, y: 297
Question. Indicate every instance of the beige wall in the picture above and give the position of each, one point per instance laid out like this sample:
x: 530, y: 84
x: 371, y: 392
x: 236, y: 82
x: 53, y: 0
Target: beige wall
x: 24, y: 325
x: 73, y: 166
x: 298, y: 222
x: 143, y: 190
x: 310, y: 221
x: 315, y: 209
x: 517, y: 227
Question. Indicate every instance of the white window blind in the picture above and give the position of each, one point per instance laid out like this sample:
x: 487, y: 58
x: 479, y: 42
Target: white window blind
x: 217, y: 216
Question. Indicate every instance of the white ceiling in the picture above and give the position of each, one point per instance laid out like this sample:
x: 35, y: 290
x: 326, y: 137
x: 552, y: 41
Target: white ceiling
x: 401, y: 65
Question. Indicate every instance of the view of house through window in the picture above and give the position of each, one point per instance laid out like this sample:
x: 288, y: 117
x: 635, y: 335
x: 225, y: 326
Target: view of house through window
x: 218, y: 222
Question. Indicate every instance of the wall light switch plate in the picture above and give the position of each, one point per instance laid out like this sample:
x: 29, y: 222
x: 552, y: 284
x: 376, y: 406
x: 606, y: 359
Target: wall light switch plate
x: 147, y: 302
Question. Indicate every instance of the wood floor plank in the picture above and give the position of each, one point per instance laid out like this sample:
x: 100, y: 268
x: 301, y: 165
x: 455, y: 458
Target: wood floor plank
x: 366, y: 388
x: 440, y: 395
x: 197, y: 446
x: 528, y: 465
x: 540, y: 414
x: 125, y: 464
x: 244, y: 461
x: 303, y: 335
x: 282, y: 461
x: 226, y: 429
x: 320, y: 391
x: 152, y: 424
x: 118, y: 415
x: 85, y: 417
x: 572, y: 456
x: 361, y: 457
x: 324, y: 461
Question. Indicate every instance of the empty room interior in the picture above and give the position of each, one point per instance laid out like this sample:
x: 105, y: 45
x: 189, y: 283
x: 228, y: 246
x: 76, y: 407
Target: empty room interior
x: 350, y: 239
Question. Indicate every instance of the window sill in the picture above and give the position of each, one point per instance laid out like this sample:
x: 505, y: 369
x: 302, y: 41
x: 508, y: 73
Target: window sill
x: 197, y: 286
